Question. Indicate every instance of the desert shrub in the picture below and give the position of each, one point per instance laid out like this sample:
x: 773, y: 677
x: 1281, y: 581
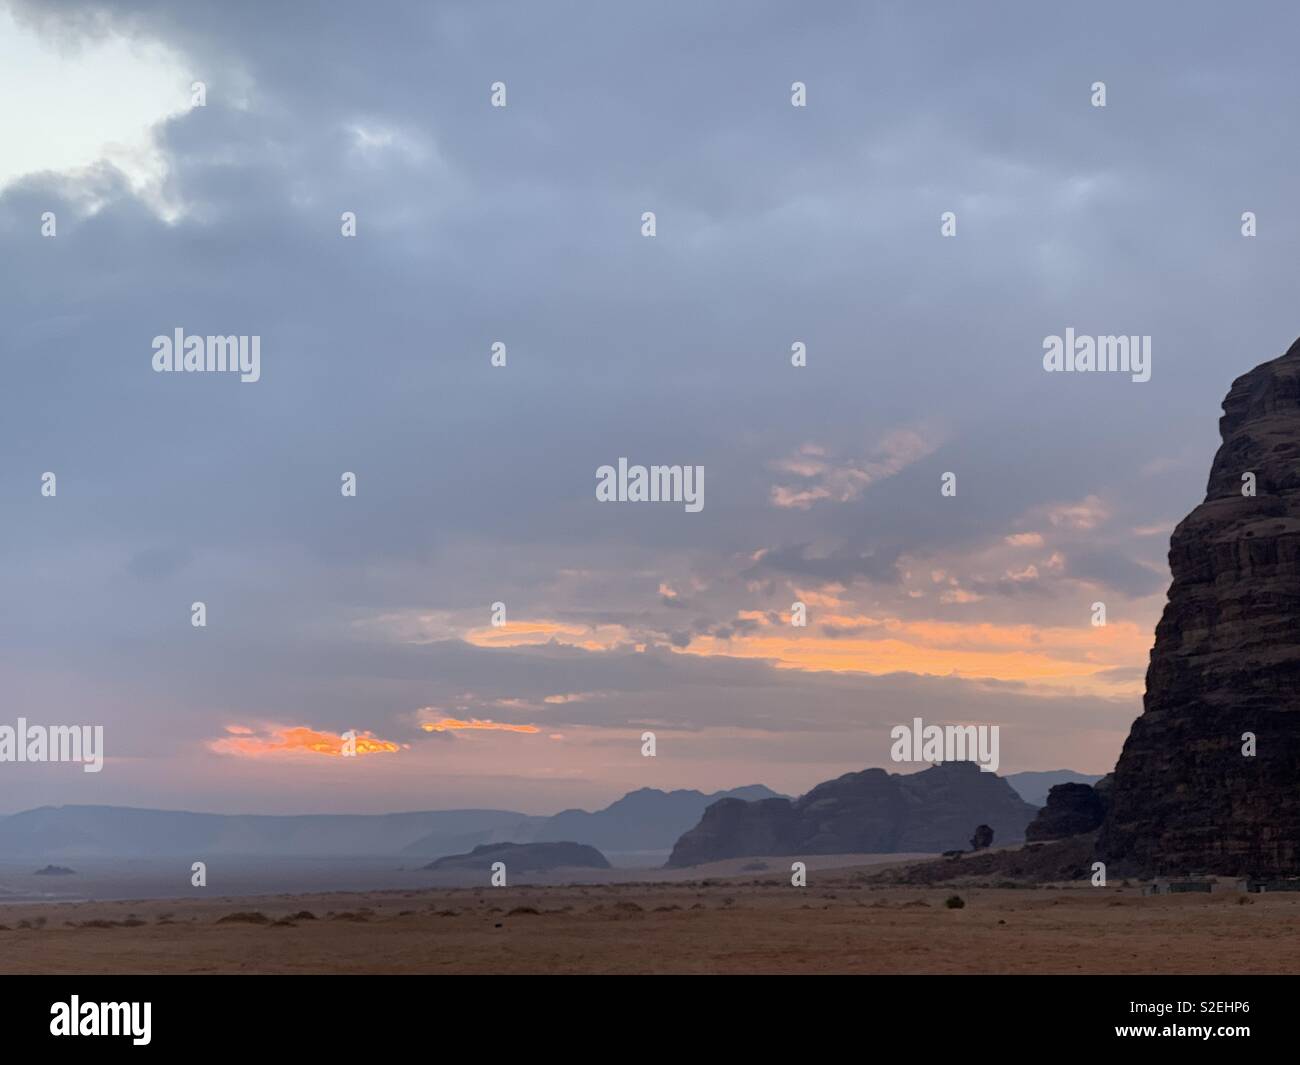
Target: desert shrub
x: 244, y: 917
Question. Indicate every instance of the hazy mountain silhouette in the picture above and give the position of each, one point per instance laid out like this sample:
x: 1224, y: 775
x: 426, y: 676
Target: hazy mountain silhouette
x: 525, y: 857
x: 645, y: 819
x: 1033, y: 787
x: 127, y: 832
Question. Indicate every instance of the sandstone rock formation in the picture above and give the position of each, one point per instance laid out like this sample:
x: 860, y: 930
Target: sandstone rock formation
x: 871, y: 812
x: 1226, y: 661
x: 525, y: 857
x: 1071, y: 809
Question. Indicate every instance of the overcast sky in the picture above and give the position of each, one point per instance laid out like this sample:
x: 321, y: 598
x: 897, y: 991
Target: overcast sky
x: 476, y: 484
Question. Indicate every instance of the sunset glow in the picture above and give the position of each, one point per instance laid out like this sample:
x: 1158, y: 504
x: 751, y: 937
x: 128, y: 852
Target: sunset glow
x: 245, y: 742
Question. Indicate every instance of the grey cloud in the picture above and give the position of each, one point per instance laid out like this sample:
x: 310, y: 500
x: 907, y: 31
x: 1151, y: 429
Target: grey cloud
x: 521, y: 225
x: 841, y: 565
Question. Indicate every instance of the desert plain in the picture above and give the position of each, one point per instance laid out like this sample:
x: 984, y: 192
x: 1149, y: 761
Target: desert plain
x: 844, y: 921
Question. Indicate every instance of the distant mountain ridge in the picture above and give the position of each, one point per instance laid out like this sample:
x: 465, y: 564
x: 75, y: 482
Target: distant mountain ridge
x: 1034, y: 786
x: 129, y: 832
x: 646, y: 819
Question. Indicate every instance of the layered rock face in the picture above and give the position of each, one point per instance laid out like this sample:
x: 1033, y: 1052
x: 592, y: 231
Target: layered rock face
x: 871, y: 812
x: 1226, y: 661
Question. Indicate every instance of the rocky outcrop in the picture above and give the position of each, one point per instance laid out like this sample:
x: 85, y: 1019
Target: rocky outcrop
x: 1071, y: 810
x: 1061, y: 861
x: 1226, y: 662
x: 871, y: 812
x: 1034, y: 786
x: 525, y: 857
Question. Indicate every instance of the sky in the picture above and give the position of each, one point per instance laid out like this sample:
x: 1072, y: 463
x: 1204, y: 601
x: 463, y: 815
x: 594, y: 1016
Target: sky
x: 523, y: 225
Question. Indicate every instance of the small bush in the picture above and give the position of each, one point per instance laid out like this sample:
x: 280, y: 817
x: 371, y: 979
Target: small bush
x: 954, y: 902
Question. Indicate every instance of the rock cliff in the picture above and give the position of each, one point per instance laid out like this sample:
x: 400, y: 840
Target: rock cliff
x: 1226, y: 661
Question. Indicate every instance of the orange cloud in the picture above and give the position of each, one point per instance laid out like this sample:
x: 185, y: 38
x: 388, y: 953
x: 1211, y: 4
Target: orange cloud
x: 570, y: 697
x: 451, y: 724
x: 245, y: 742
x: 828, y: 595
x: 1075, y: 657
x: 539, y: 631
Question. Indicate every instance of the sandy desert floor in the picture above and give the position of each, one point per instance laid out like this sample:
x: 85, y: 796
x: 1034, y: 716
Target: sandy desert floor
x: 838, y: 924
